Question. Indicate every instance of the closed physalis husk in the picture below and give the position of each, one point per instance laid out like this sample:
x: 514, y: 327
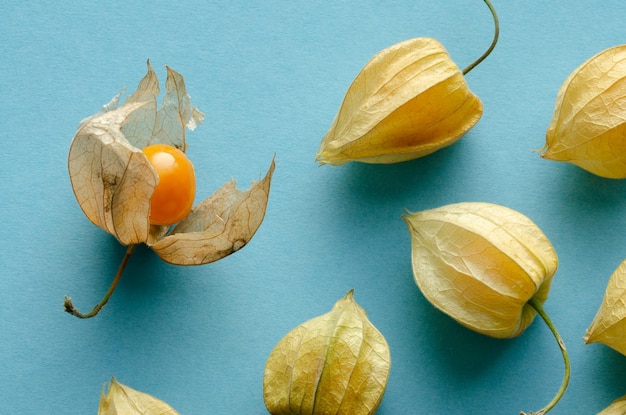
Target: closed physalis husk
x: 618, y: 407
x: 122, y: 400
x: 588, y: 128
x: 113, y: 180
x: 486, y: 266
x: 408, y: 101
x: 480, y: 263
x: 337, y: 363
x: 609, y: 325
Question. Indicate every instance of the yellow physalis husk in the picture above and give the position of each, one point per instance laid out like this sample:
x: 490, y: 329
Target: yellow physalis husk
x: 588, y: 128
x: 113, y: 180
x: 122, y: 400
x: 618, y: 407
x: 609, y: 325
x: 337, y: 363
x: 481, y: 263
x: 410, y: 100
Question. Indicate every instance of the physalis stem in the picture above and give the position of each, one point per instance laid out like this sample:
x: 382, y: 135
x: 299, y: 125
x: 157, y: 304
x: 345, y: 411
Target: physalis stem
x: 539, y: 309
x: 496, y: 34
x: 69, y: 307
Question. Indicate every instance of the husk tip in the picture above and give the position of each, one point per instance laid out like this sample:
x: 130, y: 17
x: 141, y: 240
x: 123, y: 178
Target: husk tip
x: 407, y: 216
x: 322, y: 159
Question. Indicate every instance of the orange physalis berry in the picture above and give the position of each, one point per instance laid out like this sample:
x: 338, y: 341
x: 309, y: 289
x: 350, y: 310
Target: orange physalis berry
x: 174, y: 194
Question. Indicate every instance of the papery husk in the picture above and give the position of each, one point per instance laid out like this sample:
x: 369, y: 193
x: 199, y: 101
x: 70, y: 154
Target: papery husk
x: 122, y: 400
x: 113, y: 181
x: 218, y: 226
x: 409, y: 101
x: 618, y: 407
x: 609, y: 325
x: 480, y: 263
x: 337, y: 363
x: 588, y: 128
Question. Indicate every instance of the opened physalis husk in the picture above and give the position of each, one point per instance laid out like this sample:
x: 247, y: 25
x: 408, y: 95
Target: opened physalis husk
x: 609, y: 325
x: 337, y: 363
x: 114, y: 181
x: 486, y: 266
x: 588, y: 128
x: 618, y: 407
x: 122, y: 400
x: 409, y: 101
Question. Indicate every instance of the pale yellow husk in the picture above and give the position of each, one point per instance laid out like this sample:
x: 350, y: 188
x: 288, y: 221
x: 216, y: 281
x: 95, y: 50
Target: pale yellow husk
x: 609, y: 325
x: 618, y: 407
x: 408, y: 101
x: 588, y: 128
x: 122, y: 400
x: 337, y: 363
x: 480, y: 263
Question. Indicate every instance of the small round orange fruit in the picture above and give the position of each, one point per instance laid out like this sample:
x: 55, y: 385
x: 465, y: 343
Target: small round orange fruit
x: 174, y: 194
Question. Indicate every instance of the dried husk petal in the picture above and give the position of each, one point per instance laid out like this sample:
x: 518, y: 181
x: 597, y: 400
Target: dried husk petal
x: 409, y: 101
x: 617, y: 407
x: 609, y: 325
x: 588, y: 127
x: 337, y: 363
x: 167, y: 124
x: 122, y: 400
x: 112, y: 180
x: 481, y: 263
x: 218, y: 226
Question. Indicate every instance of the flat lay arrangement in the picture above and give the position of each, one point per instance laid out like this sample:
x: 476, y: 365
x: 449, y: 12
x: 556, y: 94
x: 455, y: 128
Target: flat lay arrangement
x: 314, y: 208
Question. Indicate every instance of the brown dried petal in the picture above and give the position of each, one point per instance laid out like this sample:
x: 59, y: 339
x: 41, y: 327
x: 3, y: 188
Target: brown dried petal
x: 166, y: 125
x: 408, y: 101
x: 122, y: 400
x: 337, y: 363
x: 218, y: 226
x: 609, y: 325
x: 112, y: 180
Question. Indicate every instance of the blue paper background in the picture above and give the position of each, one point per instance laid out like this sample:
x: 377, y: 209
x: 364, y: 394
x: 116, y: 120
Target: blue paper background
x: 270, y: 78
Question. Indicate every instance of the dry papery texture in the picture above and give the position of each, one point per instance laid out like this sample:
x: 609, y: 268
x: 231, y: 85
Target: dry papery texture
x: 337, y: 363
x: 609, y: 325
x: 122, y: 400
x: 588, y: 128
x: 113, y: 180
x: 618, y: 407
x: 409, y: 101
x: 481, y: 263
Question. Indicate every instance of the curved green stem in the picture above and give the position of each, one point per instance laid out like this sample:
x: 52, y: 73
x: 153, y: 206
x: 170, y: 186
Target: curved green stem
x: 539, y: 308
x: 496, y: 34
x: 69, y: 307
